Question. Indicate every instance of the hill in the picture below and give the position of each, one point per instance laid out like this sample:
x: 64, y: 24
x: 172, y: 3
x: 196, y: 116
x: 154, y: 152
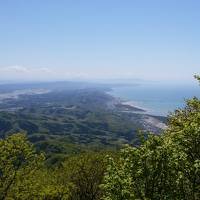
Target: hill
x: 67, y: 118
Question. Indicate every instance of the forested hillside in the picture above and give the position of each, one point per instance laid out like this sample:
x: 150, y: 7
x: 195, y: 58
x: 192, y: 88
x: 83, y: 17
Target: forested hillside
x: 162, y: 167
x: 68, y: 118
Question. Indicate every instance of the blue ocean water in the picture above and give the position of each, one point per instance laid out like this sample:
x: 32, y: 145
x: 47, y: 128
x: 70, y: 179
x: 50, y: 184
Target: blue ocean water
x: 157, y: 99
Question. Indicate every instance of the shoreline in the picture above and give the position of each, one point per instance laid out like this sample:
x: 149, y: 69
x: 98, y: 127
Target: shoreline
x: 126, y: 105
x: 133, y: 107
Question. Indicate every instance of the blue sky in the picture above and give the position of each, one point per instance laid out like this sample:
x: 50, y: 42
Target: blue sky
x: 99, y: 39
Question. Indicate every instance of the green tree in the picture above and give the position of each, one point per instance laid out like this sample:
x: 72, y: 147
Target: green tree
x: 18, y: 161
x: 184, y: 133
x: 163, y: 167
x: 85, y: 175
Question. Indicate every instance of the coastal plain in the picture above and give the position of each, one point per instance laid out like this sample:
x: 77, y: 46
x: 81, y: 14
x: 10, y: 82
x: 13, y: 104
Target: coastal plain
x: 67, y: 118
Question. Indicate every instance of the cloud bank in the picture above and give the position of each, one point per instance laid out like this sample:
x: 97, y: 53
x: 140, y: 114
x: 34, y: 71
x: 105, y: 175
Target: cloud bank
x: 22, y: 73
x: 28, y: 73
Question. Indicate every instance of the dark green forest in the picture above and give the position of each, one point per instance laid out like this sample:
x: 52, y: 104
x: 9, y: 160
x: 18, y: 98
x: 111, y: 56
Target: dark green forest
x: 164, y: 166
x: 71, y: 119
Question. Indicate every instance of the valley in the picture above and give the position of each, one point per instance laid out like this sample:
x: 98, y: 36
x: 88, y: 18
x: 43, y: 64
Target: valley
x: 69, y: 118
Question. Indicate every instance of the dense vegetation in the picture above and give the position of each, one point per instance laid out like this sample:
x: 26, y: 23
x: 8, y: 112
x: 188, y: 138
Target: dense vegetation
x: 162, y: 167
x: 23, y: 174
x: 70, y: 121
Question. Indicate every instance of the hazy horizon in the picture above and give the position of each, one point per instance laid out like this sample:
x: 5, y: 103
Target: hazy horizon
x: 99, y: 40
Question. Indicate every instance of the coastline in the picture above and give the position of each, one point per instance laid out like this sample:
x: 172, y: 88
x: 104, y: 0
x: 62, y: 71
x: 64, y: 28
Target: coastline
x: 149, y: 120
x: 125, y: 105
x: 133, y: 105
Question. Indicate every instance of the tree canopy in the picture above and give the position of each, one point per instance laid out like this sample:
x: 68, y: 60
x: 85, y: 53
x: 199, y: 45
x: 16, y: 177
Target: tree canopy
x: 165, y: 166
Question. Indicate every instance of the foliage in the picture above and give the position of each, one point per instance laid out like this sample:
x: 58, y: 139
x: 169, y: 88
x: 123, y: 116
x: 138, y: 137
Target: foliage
x: 23, y: 174
x: 86, y: 173
x: 67, y: 122
x: 163, y: 167
x: 197, y: 77
x: 18, y: 161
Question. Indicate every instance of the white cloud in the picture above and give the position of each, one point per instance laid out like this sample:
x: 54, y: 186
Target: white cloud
x: 18, y: 68
x: 15, y: 68
x: 45, y: 69
x: 27, y: 73
x: 18, y: 72
x: 22, y: 73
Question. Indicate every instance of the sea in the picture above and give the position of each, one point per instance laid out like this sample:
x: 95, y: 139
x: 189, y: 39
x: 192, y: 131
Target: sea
x: 157, y: 99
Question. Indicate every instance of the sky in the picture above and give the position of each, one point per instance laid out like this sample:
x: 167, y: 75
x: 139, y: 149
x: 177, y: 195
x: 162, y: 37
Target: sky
x: 155, y: 40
